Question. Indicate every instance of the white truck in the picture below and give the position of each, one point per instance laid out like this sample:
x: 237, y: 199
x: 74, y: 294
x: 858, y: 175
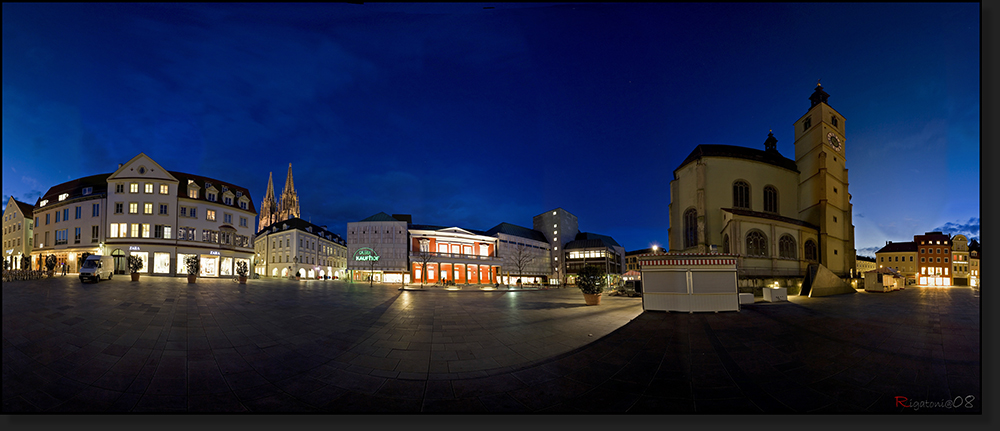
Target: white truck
x: 96, y: 267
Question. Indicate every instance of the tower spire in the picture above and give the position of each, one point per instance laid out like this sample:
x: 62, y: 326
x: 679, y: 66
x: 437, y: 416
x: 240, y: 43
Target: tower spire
x: 268, y: 206
x: 818, y: 96
x: 289, y: 205
x: 289, y: 185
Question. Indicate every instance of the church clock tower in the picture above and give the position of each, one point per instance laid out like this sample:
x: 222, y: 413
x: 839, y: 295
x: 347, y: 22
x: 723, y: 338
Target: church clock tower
x: 824, y: 200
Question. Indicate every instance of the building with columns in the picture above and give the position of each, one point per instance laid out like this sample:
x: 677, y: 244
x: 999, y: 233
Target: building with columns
x: 777, y: 215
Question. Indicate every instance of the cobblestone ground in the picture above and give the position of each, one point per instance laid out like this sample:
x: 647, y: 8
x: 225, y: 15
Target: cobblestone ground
x: 162, y: 345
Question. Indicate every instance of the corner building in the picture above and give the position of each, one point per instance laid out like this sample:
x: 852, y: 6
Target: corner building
x: 143, y: 210
x: 18, y: 233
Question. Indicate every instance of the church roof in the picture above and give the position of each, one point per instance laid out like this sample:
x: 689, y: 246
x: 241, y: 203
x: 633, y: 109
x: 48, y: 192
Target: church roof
x: 770, y: 216
x: 733, y: 151
x: 515, y: 230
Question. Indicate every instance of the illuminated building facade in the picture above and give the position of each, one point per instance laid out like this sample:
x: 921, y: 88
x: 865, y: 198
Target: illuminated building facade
x: 452, y: 254
x: 778, y: 215
x: 295, y: 246
x: 865, y: 264
x: 934, y: 259
x: 559, y: 228
x: 594, y: 249
x: 18, y: 232
x: 378, y: 247
x: 960, y: 260
x: 143, y: 210
x: 530, y: 248
x: 900, y: 256
x: 975, y: 254
x: 69, y: 220
x: 271, y: 210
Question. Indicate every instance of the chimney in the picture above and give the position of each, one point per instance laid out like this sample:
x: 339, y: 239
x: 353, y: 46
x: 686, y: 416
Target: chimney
x: 120, y: 165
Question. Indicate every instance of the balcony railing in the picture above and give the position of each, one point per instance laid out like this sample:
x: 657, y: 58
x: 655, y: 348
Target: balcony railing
x: 439, y: 255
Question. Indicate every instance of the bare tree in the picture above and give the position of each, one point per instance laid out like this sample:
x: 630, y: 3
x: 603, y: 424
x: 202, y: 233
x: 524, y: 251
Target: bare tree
x: 372, y: 261
x: 424, y: 257
x: 520, y: 257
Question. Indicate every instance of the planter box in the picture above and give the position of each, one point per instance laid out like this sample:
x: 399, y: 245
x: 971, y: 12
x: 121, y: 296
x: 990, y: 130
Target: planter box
x: 592, y: 299
x: 746, y: 298
x: 775, y: 295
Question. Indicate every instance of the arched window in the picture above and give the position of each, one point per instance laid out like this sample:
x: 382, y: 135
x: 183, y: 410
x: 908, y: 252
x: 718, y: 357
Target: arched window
x: 810, y: 250
x: 741, y: 194
x: 690, y: 228
x: 756, y: 244
x: 786, y: 247
x: 770, y: 199
x: 725, y: 243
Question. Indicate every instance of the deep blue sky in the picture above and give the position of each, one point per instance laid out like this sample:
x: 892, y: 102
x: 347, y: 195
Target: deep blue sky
x: 466, y: 116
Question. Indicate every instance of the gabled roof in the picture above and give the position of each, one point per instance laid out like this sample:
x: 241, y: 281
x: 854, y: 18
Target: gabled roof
x: 299, y: 224
x: 183, y: 179
x: 898, y: 247
x: 445, y: 228
x: 515, y: 230
x: 381, y: 216
x: 74, y: 188
x: 732, y: 151
x: 26, y: 209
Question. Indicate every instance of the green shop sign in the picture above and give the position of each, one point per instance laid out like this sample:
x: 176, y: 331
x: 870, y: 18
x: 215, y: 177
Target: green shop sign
x: 366, y: 254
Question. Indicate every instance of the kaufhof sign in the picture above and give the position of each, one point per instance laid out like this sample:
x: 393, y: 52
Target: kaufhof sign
x: 366, y: 254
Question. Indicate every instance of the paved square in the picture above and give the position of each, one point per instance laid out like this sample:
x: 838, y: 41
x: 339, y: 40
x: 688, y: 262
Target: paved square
x: 162, y: 345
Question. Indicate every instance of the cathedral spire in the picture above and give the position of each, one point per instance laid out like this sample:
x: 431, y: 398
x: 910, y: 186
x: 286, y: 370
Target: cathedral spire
x: 289, y: 185
x: 269, y: 194
x: 288, y: 207
x: 268, y: 206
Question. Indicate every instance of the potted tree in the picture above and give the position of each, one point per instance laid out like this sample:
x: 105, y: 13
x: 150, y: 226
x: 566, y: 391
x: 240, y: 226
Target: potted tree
x: 50, y: 264
x: 193, y: 266
x: 242, y: 271
x: 134, y: 266
x: 591, y: 282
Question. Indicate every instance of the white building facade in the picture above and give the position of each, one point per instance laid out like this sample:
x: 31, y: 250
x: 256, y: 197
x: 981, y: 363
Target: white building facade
x: 157, y: 215
x: 296, y: 247
x: 18, y: 232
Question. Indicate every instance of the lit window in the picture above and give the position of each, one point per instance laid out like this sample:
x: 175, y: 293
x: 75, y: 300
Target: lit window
x: 133, y: 188
x: 210, y: 215
x: 148, y: 188
x: 133, y: 208
x: 193, y: 193
x: 135, y: 230
x: 147, y: 208
x: 145, y: 230
x: 63, y: 196
x: 164, y: 189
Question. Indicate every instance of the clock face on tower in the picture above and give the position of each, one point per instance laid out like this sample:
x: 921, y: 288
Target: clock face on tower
x: 834, y: 141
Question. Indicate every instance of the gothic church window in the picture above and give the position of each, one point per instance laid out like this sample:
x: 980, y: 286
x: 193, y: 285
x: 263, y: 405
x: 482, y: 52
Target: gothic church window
x: 741, y: 194
x: 690, y: 228
x: 725, y: 243
x: 810, y: 250
x: 756, y: 244
x: 786, y: 247
x: 770, y: 199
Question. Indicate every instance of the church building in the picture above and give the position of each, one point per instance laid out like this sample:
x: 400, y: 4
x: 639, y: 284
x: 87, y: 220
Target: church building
x: 784, y: 219
x: 272, y: 211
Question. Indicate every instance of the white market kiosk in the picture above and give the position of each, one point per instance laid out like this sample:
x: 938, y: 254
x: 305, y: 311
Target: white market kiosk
x: 689, y: 282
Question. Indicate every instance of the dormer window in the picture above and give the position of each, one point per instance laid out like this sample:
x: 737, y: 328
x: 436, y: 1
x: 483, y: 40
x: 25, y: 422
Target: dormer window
x: 87, y: 190
x: 225, y: 189
x: 63, y: 196
x: 229, y: 201
x: 193, y: 193
x: 211, y: 197
x: 43, y: 203
x: 239, y: 195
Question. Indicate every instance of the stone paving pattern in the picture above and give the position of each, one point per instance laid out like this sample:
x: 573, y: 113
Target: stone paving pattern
x: 163, y: 345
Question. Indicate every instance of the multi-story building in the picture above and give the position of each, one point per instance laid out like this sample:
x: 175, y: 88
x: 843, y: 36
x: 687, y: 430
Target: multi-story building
x: 452, y: 254
x: 143, y: 210
x: 633, y: 271
x: 594, y: 249
x: 378, y: 248
x: 559, y: 228
x: 70, y: 219
x: 934, y: 254
x: 295, y: 246
x: 960, y: 260
x: 865, y: 264
x: 975, y: 254
x: 779, y: 216
x: 900, y: 256
x: 18, y: 232
x: 526, y: 254
x: 392, y: 249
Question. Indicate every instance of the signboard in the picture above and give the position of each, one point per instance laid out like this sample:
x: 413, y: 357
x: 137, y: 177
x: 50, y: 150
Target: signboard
x: 366, y: 254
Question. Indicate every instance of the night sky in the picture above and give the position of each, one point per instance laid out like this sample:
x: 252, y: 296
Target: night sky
x: 466, y: 116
